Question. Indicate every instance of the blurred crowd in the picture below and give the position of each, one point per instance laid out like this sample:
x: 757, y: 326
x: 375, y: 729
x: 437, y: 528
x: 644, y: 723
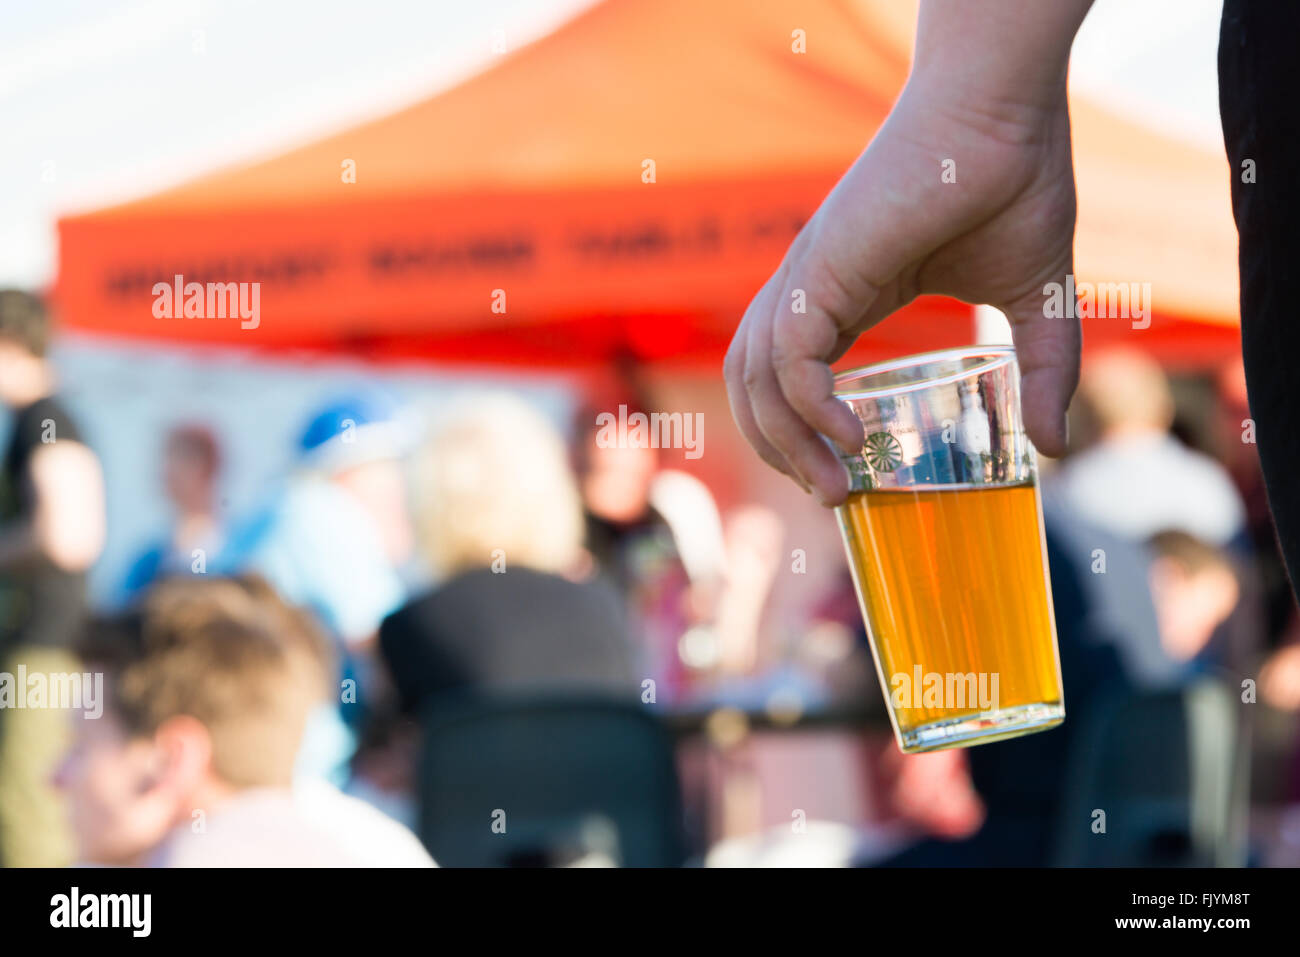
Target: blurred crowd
x: 272, y: 670
x: 291, y: 685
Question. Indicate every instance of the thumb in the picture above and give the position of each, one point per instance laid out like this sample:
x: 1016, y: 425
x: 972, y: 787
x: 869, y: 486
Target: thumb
x: 1047, y: 350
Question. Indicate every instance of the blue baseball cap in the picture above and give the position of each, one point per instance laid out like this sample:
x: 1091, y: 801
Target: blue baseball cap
x: 351, y: 431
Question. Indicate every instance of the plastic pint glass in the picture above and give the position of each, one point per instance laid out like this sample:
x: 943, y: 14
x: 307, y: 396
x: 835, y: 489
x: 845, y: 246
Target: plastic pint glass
x: 944, y: 533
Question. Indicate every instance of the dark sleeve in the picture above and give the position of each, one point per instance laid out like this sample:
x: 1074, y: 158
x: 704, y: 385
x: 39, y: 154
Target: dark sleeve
x: 1259, y: 79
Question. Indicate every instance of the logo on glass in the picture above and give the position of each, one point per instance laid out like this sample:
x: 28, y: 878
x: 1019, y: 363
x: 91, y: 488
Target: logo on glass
x: 882, y: 452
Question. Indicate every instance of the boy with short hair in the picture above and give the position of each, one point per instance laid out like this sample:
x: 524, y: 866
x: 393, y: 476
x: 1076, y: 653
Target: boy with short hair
x: 208, y: 688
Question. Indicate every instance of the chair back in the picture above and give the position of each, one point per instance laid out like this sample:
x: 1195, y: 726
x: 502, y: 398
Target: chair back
x: 548, y: 778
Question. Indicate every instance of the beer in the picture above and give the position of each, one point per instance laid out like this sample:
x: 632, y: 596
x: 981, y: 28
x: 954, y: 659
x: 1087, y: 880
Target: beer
x: 953, y: 589
x: 945, y: 542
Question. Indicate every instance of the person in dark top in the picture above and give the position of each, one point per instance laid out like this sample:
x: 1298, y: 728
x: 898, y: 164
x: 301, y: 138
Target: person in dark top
x: 482, y: 631
x: 654, y: 532
x: 500, y: 523
x: 629, y: 540
x: 51, y: 531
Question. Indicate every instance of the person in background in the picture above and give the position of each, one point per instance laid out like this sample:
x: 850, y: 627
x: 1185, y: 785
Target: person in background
x: 1138, y: 479
x: 499, y: 522
x: 333, y: 542
x: 336, y: 538
x: 191, y: 469
x: 1195, y: 589
x: 1117, y: 592
x: 656, y: 535
x: 192, y: 762
x: 51, y: 532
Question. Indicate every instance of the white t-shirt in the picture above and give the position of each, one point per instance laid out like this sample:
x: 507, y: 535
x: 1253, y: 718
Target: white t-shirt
x: 314, y: 825
x: 1138, y: 485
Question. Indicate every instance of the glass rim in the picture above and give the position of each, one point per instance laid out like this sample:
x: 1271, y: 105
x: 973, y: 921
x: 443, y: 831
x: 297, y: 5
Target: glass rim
x: 993, y: 355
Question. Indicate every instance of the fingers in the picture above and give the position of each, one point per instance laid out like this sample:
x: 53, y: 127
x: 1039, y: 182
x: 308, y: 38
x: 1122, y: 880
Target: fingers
x: 802, y: 347
x: 804, y: 451
x: 1047, y: 349
x: 815, y: 318
x: 737, y: 372
x: 806, y: 316
x: 764, y: 414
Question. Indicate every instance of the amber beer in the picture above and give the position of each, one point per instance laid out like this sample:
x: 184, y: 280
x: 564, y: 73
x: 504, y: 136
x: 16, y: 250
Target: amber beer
x: 943, y: 533
x: 952, y: 585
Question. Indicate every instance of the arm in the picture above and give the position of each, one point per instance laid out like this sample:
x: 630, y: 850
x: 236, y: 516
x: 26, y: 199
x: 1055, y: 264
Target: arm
x: 987, y: 92
x: 66, y: 527
x: 1004, y: 52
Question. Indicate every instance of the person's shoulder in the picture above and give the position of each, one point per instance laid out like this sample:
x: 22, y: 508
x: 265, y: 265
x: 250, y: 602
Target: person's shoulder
x: 362, y: 830
x: 477, y: 584
x: 1206, y: 466
x: 315, y: 825
x: 517, y: 585
x: 49, y: 405
x: 1082, y: 465
x: 49, y: 420
x: 256, y: 828
x: 548, y: 586
x: 415, y: 608
x: 1205, y: 475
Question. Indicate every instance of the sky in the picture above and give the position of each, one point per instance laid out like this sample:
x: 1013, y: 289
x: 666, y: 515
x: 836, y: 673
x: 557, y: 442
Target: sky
x: 106, y: 100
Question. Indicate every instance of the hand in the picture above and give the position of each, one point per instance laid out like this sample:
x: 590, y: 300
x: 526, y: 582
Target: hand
x: 892, y: 230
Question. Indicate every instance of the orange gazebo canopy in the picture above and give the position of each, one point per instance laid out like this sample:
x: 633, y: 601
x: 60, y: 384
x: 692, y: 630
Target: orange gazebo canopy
x: 622, y: 186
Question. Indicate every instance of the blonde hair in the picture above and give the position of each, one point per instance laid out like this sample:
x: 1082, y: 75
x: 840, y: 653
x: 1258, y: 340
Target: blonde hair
x: 494, y: 481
